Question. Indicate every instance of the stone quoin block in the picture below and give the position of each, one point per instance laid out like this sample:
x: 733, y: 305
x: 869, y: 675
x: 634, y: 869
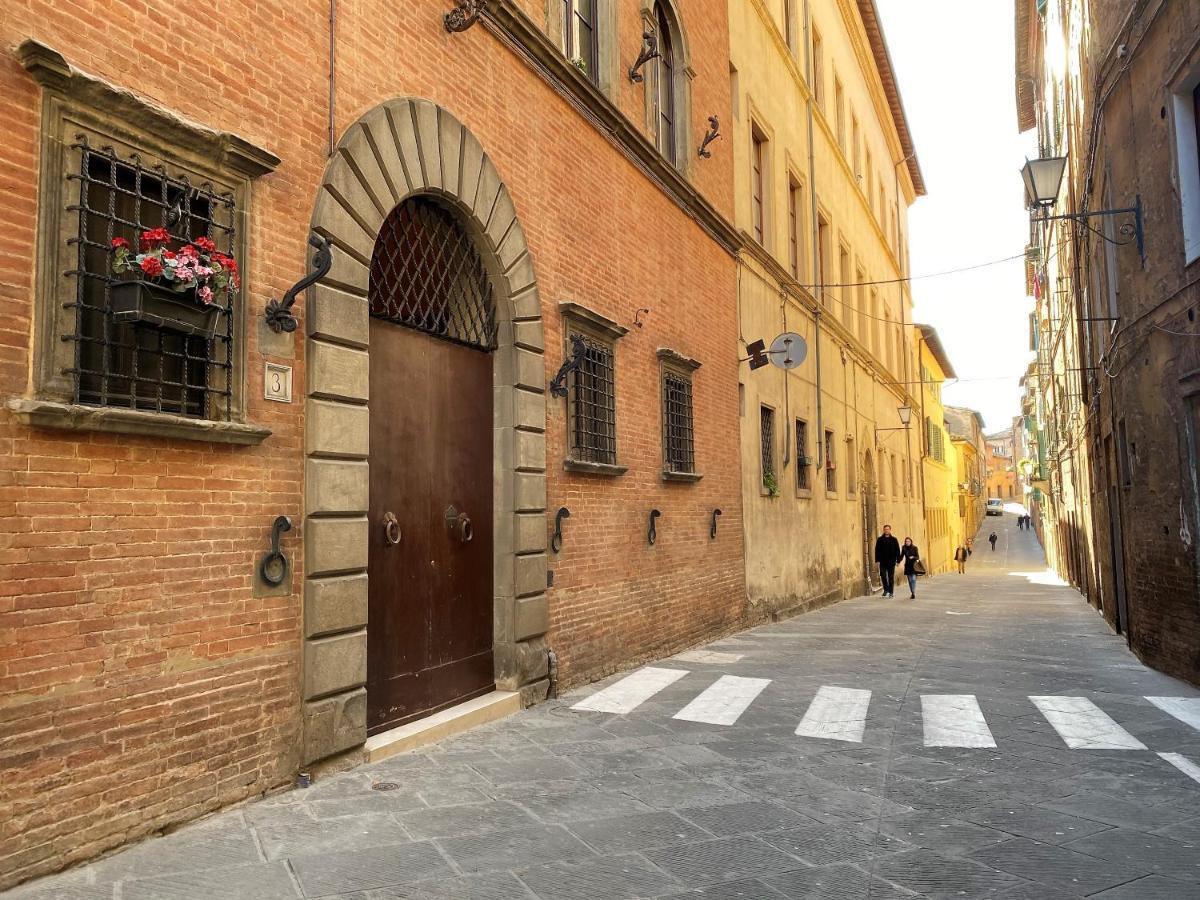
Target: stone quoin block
x: 337, y: 373
x: 336, y: 316
x: 336, y: 663
x: 335, y: 486
x: 335, y: 604
x: 532, y: 617
x: 337, y: 429
x: 530, y: 495
x: 530, y: 574
x: 335, y: 545
x: 333, y: 724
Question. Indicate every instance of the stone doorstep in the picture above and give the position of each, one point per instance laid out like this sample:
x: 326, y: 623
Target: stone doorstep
x: 442, y: 725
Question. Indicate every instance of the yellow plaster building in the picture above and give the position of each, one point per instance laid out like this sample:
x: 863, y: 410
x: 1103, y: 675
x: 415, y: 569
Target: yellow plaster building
x: 824, y: 174
x: 939, y: 460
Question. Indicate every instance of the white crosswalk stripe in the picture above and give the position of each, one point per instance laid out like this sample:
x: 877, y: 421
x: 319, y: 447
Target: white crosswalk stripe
x: 723, y: 702
x: 1084, y: 726
x: 838, y: 714
x: 1184, y: 765
x: 954, y: 720
x: 631, y: 691
x: 1185, y: 709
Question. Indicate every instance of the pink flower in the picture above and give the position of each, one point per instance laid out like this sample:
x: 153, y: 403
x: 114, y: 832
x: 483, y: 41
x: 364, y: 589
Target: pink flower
x: 206, y: 295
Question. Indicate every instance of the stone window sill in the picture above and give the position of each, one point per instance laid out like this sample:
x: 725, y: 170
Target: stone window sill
x: 76, y: 417
x: 593, y: 468
x: 684, y: 477
x: 804, y: 493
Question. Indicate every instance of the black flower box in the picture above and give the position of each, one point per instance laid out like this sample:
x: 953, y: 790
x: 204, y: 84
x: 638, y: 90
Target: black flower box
x: 153, y: 304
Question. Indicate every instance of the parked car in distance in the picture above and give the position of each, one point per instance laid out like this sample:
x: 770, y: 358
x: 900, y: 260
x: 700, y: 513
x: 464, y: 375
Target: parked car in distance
x: 995, y: 507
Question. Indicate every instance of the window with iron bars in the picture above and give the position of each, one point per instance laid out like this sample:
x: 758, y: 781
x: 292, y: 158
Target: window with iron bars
x: 766, y: 430
x: 134, y: 364
x: 830, y: 464
x: 802, y: 460
x: 592, y: 404
x: 679, y: 451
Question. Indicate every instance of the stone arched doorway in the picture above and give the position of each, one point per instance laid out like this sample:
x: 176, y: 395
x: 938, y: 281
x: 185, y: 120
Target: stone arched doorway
x: 870, y: 523
x: 400, y: 150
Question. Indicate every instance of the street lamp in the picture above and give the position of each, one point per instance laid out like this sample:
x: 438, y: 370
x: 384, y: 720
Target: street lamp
x: 1043, y: 178
x: 905, y: 413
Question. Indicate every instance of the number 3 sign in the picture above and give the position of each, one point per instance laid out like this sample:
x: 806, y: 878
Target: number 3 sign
x: 278, y: 383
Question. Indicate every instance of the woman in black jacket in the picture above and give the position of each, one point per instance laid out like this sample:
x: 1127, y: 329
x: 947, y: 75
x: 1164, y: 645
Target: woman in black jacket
x: 910, y: 554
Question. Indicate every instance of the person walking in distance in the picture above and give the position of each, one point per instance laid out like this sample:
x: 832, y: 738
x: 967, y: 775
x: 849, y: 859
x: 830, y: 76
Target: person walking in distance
x: 992, y: 540
x: 911, y: 556
x: 960, y: 557
x: 887, y: 555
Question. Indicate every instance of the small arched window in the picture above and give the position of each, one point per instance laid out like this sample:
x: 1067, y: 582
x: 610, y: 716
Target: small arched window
x: 664, y: 86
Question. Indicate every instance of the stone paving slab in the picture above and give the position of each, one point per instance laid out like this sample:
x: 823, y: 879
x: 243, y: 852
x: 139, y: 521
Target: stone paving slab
x: 555, y: 802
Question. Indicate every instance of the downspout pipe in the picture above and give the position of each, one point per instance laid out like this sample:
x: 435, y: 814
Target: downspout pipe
x: 818, y: 269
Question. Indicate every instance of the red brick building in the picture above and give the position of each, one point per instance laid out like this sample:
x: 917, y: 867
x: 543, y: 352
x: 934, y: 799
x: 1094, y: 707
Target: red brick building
x: 496, y: 201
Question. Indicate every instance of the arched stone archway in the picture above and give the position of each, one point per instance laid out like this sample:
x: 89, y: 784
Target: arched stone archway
x: 399, y: 149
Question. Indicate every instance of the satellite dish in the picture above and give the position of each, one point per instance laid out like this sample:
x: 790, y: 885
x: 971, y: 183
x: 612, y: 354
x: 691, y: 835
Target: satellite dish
x: 788, y: 350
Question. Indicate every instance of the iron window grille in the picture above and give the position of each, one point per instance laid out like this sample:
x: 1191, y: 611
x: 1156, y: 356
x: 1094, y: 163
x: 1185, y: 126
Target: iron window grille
x: 802, y: 461
x: 767, y: 438
x: 137, y: 365
x: 426, y: 274
x: 592, y: 404
x: 830, y: 465
x: 678, y: 432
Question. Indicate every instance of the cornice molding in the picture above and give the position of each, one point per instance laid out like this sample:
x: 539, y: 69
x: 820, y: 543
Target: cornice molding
x: 50, y: 69
x: 515, y: 30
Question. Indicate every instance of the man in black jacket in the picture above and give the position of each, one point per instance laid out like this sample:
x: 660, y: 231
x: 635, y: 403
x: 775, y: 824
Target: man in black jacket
x: 887, y: 555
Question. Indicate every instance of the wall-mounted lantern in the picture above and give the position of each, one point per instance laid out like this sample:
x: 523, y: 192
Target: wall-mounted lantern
x: 905, y: 413
x: 1043, y: 179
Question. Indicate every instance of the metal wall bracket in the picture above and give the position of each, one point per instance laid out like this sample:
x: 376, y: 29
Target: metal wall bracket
x: 714, y: 132
x: 464, y: 15
x: 649, y: 52
x: 273, y: 568
x: 652, y: 532
x: 556, y: 538
x: 558, y: 384
x: 279, y: 312
x: 712, y: 528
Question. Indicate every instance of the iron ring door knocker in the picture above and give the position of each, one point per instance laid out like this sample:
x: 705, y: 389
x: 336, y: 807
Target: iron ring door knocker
x: 391, y: 529
x: 556, y: 538
x: 652, y: 533
x: 460, y: 525
x: 273, y: 568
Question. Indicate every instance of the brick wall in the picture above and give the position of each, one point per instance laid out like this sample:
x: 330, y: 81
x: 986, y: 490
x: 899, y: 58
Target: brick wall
x: 141, y: 682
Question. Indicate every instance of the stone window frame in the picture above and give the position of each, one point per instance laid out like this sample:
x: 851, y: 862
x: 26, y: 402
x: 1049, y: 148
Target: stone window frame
x: 577, y: 319
x: 608, y: 54
x: 74, y: 103
x: 830, y: 468
x: 684, y: 367
x: 682, y: 83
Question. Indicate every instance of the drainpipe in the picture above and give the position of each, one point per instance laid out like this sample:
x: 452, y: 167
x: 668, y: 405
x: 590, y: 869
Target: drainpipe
x: 819, y: 280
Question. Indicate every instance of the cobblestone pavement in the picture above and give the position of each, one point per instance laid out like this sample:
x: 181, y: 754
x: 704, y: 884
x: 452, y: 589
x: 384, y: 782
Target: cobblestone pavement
x: 990, y: 739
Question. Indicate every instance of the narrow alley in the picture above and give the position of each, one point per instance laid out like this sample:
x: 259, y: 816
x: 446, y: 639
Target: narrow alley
x: 991, y: 739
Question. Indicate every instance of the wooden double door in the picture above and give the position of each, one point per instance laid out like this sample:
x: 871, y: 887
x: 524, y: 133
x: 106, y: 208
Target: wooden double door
x: 429, y: 632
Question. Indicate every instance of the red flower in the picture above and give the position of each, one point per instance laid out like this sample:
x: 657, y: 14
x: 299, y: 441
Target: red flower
x: 152, y: 267
x: 206, y: 244
x: 155, y: 237
x: 120, y: 244
x: 188, y: 250
x: 168, y: 254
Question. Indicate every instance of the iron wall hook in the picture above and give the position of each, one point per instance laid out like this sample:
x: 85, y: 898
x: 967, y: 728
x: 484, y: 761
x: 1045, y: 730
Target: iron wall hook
x: 649, y: 52
x: 274, y: 566
x: 714, y: 132
x: 712, y: 528
x: 652, y: 533
x: 556, y: 538
x: 558, y: 384
x: 279, y: 312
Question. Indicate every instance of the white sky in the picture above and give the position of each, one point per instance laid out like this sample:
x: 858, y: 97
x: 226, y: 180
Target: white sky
x: 954, y: 64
